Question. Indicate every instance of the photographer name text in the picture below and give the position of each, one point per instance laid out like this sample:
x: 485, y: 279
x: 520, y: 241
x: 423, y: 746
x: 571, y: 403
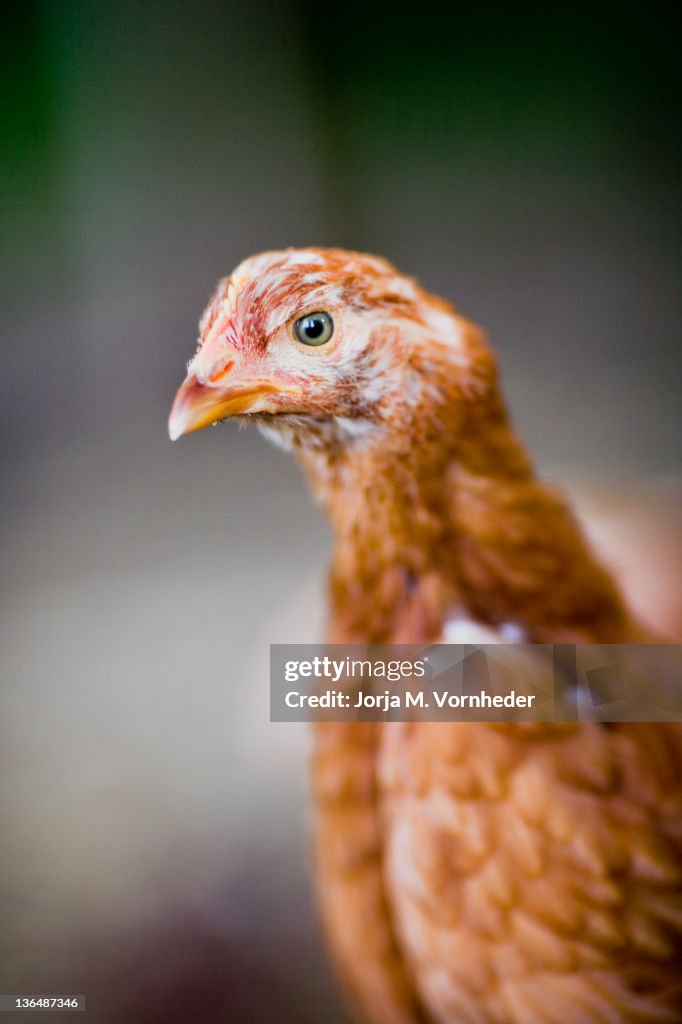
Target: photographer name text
x: 409, y: 699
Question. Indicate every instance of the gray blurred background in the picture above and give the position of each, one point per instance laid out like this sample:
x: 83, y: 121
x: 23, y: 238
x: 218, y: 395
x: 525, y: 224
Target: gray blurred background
x: 152, y: 821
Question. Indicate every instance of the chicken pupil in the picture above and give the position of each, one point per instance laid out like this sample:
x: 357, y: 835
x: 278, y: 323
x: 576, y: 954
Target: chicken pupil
x: 314, y: 328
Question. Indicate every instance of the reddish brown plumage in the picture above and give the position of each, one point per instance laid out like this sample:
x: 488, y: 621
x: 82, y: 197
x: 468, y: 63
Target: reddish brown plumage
x: 474, y: 873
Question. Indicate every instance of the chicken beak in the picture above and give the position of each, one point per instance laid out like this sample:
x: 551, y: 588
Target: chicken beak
x: 197, y: 405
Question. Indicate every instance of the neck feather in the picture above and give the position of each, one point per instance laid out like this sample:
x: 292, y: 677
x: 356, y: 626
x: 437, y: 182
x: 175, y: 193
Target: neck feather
x: 445, y: 516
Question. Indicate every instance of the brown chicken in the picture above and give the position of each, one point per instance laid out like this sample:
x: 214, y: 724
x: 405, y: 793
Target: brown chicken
x: 470, y: 873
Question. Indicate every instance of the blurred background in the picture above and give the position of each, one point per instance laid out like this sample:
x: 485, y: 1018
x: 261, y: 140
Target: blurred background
x: 153, y: 822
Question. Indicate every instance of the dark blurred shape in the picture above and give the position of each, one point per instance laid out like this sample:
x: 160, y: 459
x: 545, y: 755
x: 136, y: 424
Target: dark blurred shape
x: 563, y: 95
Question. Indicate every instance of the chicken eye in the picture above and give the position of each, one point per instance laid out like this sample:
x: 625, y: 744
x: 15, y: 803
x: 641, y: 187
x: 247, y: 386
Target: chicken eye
x: 314, y: 329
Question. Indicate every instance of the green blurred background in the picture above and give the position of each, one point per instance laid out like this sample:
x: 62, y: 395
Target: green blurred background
x: 524, y: 166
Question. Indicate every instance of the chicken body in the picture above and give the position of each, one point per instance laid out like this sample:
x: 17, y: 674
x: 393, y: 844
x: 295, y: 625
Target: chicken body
x: 517, y: 874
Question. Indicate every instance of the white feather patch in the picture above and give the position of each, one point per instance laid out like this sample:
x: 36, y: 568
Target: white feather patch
x: 299, y: 257
x: 463, y: 630
x: 281, y: 438
x: 355, y: 426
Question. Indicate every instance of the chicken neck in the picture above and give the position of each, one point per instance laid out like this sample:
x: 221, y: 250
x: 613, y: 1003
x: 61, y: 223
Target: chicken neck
x: 443, y: 516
